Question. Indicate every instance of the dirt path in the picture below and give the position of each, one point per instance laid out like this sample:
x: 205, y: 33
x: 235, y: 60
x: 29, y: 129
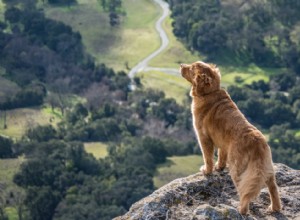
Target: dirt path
x: 143, y: 65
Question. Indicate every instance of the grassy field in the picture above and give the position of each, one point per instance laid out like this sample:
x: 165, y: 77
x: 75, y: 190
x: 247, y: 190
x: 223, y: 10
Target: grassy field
x: 98, y: 149
x: 19, y: 120
x: 248, y: 73
x: 173, y: 86
x: 11, y: 213
x: 2, y: 8
x: 133, y: 40
x: 177, y: 167
x: 8, y: 168
x: 246, y: 78
x: 175, y: 53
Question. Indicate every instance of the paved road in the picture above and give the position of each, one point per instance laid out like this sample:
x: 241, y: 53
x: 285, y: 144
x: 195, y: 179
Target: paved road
x: 143, y: 65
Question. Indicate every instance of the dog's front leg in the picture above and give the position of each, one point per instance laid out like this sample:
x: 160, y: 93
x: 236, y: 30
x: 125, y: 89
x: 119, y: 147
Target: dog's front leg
x: 222, y: 159
x: 207, y: 149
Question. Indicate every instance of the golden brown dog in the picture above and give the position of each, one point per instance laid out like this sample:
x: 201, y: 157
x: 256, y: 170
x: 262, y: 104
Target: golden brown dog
x: 219, y: 123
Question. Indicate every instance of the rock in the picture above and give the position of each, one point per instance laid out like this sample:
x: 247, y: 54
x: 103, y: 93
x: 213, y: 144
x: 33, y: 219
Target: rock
x: 198, y: 197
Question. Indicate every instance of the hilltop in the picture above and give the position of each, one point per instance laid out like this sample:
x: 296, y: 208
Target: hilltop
x: 214, y: 197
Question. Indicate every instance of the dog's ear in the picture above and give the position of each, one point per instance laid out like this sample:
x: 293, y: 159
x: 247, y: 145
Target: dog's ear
x: 198, y: 79
x: 202, y: 78
x: 207, y: 79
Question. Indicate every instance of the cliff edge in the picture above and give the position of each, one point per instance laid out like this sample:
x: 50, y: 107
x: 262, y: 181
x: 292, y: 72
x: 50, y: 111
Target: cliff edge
x: 214, y: 197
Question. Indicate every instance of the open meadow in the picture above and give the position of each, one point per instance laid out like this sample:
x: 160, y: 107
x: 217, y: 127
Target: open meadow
x: 176, y: 167
x: 122, y: 47
x: 176, y: 53
x: 97, y: 149
x: 173, y: 86
x: 18, y: 121
x: 1, y: 10
x: 118, y: 46
x: 8, y: 168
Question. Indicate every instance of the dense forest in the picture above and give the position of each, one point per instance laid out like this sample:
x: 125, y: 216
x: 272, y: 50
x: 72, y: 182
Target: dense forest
x: 47, y: 61
x: 241, y: 32
x: 265, y: 32
x: 59, y: 180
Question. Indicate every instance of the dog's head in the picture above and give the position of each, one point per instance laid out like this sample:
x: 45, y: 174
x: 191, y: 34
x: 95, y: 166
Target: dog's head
x: 205, y: 78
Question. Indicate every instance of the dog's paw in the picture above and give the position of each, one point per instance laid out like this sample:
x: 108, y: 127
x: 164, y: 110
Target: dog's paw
x: 272, y: 209
x: 205, y: 171
x: 218, y: 167
x: 243, y: 211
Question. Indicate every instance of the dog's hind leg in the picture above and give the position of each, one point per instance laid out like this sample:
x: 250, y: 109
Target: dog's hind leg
x: 274, y: 195
x: 222, y: 159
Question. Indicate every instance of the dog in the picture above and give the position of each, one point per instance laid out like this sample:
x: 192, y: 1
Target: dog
x: 218, y: 123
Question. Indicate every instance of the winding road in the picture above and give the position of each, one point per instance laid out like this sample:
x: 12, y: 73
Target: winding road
x: 143, y: 65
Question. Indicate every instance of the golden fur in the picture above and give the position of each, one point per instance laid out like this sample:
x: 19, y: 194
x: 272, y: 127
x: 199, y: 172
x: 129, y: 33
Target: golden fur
x: 219, y: 123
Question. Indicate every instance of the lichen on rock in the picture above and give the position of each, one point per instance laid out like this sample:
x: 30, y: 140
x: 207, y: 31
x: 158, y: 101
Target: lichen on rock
x: 198, y: 197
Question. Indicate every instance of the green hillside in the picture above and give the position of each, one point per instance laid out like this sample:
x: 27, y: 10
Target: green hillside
x: 2, y: 9
x: 18, y: 121
x: 176, y: 167
x: 94, y: 146
x: 9, y: 167
x: 128, y: 43
x: 97, y: 149
x: 176, y: 53
x: 173, y: 86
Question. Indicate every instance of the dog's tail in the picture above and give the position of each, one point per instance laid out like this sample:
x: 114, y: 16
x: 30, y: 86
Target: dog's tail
x: 256, y: 174
x: 252, y: 179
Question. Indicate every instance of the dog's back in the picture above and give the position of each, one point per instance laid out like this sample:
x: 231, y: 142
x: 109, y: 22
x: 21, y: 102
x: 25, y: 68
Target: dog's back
x: 220, y: 118
x: 249, y: 156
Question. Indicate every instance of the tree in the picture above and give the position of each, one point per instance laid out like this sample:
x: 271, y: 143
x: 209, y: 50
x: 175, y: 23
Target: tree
x: 64, y: 2
x: 79, y: 112
x: 50, y: 170
x: 105, y: 111
x: 41, y: 133
x: 242, y: 33
x: 60, y: 96
x: 41, y: 202
x: 168, y: 110
x: 18, y: 201
x: 2, y: 206
x: 285, y: 145
x: 114, y: 7
x: 6, y: 147
x: 285, y: 80
x: 237, y: 93
x: 105, y: 129
x: 294, y: 93
x: 156, y: 148
x: 260, y: 85
x: 12, y: 15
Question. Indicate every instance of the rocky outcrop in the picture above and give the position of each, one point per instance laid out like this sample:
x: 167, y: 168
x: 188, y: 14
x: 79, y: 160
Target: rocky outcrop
x: 214, y: 197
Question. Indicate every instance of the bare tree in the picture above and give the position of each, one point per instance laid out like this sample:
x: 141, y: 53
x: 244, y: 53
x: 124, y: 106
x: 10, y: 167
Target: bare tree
x: 2, y: 204
x: 59, y: 97
x: 18, y: 201
x: 97, y: 94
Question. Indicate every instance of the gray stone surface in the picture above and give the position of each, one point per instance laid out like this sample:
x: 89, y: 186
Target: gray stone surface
x: 198, y: 197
